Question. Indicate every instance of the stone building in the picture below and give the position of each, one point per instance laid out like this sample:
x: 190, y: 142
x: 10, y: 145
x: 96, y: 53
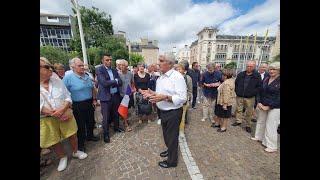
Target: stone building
x: 147, y: 48
x: 223, y: 49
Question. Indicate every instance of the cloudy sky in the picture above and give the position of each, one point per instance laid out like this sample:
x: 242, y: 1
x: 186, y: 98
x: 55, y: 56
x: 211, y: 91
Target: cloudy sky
x: 176, y: 22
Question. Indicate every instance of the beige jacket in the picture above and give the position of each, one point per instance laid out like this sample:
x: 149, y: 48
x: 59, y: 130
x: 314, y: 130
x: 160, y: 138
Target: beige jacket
x: 226, y: 92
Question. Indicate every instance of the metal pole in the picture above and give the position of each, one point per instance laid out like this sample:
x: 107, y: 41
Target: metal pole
x: 240, y: 47
x: 83, y: 45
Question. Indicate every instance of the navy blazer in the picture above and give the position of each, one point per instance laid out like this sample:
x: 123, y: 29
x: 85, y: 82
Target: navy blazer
x: 104, y: 83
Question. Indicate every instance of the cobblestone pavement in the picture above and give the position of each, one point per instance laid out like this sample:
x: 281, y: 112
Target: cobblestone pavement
x: 229, y: 155
x: 135, y: 155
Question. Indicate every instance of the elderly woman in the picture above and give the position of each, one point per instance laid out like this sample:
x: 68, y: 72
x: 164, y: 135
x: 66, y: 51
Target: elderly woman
x: 226, y: 97
x: 55, y: 125
x: 59, y: 68
x: 141, y: 82
x: 182, y: 68
x: 127, y: 79
x: 83, y: 96
x: 269, y: 109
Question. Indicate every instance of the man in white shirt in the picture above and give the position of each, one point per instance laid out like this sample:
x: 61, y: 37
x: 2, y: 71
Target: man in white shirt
x: 170, y: 95
x: 263, y: 71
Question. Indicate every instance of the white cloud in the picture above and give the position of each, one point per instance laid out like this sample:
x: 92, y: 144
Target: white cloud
x: 176, y: 22
x: 259, y: 19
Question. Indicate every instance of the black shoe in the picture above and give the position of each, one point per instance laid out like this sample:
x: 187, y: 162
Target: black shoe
x: 118, y: 130
x: 106, y: 139
x: 215, y: 126
x: 165, y: 164
x: 164, y: 154
x: 253, y: 120
x: 93, y: 138
x: 220, y: 130
x: 248, y: 129
x: 236, y: 124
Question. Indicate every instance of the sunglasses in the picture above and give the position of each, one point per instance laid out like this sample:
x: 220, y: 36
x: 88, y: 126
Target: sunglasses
x: 47, y: 67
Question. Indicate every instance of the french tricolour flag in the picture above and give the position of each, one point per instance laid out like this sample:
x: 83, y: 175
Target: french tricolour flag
x: 123, y: 108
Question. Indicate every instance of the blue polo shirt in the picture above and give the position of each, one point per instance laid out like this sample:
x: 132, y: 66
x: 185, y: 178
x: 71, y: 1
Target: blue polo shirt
x: 80, y: 87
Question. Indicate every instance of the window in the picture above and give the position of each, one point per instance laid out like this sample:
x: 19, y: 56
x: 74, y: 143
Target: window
x: 52, y: 19
x: 201, y: 37
x: 210, y: 35
x: 225, y: 47
x: 209, y: 49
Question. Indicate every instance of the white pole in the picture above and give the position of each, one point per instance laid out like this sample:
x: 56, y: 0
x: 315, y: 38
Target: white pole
x: 240, y: 47
x: 83, y: 45
x: 245, y: 57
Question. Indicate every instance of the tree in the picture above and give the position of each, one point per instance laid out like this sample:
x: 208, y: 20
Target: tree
x: 98, y: 32
x: 135, y: 59
x: 275, y: 59
x: 96, y: 26
x: 231, y: 65
x: 55, y: 55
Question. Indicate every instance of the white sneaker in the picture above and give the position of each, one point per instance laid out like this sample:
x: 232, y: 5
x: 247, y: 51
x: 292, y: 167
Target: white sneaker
x: 255, y: 139
x: 63, y: 164
x: 203, y: 119
x: 80, y: 155
x: 270, y: 150
x: 159, y: 121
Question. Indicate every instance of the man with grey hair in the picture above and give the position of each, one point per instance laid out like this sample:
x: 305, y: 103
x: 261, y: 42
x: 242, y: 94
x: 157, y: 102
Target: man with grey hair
x: 118, y: 62
x: 263, y: 68
x: 210, y: 82
x: 247, y: 86
x: 170, y: 95
x: 71, y: 64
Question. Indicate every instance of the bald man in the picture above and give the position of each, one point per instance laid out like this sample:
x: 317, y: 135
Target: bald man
x: 247, y: 86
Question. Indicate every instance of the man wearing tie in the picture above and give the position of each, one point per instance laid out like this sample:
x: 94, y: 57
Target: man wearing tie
x: 109, y: 84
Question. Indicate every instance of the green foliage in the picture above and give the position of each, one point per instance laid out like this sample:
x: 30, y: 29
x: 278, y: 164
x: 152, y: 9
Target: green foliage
x: 231, y: 65
x: 55, y: 55
x: 135, y: 59
x: 276, y: 59
x: 98, y: 32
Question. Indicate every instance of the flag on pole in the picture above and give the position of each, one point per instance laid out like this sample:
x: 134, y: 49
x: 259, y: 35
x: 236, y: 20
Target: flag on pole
x: 254, y: 45
x: 123, y: 108
x: 240, y: 46
x: 265, y: 37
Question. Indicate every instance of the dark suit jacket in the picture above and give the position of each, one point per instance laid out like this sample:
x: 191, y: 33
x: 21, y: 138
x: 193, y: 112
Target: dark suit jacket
x: 104, y: 83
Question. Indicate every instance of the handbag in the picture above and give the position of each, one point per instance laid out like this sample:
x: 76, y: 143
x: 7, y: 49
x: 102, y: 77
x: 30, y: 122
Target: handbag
x: 68, y: 114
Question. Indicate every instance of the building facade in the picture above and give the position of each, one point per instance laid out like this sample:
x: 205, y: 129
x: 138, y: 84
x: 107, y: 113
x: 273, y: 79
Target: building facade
x: 55, y: 30
x: 184, y: 54
x: 147, y: 48
x: 223, y: 49
x: 276, y: 48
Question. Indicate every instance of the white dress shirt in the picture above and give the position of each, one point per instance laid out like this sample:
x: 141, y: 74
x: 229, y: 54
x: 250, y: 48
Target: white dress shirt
x: 262, y: 75
x: 172, y: 84
x: 57, y: 94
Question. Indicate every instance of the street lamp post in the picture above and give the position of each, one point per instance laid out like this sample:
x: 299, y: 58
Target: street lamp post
x: 83, y: 45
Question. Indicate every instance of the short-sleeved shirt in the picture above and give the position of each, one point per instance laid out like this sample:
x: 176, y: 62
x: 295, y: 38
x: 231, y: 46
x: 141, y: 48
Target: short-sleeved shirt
x: 80, y: 87
x: 126, y: 80
x: 142, y: 83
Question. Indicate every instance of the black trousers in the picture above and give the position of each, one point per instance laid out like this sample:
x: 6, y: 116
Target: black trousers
x: 83, y: 112
x: 109, y: 110
x: 194, y: 96
x: 170, y: 121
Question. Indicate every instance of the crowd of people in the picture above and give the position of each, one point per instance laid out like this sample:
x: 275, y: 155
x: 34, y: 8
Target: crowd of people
x: 68, y: 101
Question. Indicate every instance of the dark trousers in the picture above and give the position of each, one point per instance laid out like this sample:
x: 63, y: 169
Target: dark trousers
x: 83, y: 112
x: 109, y: 110
x: 170, y: 121
x: 194, y: 96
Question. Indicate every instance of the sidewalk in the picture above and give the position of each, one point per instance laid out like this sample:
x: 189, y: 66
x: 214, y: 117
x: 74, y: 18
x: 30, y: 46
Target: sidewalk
x: 135, y: 155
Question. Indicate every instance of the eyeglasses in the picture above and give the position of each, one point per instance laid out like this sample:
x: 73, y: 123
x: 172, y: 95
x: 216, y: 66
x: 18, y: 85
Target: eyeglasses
x: 108, y: 59
x: 47, y: 67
